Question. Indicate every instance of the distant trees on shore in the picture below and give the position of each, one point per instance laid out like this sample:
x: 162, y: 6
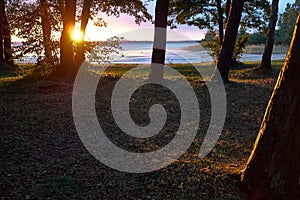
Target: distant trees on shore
x: 284, y: 30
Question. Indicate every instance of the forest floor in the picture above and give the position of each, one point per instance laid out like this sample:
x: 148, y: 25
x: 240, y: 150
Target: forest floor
x: 42, y: 156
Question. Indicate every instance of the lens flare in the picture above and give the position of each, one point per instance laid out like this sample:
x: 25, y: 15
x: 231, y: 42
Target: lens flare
x: 77, y: 35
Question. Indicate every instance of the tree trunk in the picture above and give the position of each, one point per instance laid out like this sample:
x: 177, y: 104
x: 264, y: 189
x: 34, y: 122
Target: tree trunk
x: 79, y: 58
x: 225, y: 57
x: 1, y: 31
x: 220, y: 21
x: 267, y: 55
x: 273, y: 169
x: 6, y: 37
x: 160, y: 37
x: 66, y: 40
x: 46, y: 28
x: 227, y: 9
x: 7, y: 42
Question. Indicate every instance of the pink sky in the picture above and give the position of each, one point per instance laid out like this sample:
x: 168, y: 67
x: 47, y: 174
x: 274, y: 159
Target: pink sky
x: 125, y: 26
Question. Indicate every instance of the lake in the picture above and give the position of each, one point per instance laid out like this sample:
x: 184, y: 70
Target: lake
x: 177, y: 52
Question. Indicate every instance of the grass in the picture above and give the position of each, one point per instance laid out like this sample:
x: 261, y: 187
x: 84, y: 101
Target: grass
x: 42, y: 156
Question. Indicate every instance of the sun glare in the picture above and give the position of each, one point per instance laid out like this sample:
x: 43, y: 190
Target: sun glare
x: 77, y: 35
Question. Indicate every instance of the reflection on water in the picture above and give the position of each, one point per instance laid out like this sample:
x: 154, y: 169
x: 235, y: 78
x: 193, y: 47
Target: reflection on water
x: 177, y: 52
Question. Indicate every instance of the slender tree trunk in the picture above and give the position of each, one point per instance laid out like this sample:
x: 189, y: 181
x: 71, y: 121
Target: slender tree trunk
x: 6, y: 36
x: 79, y: 58
x: 273, y: 169
x: 220, y: 21
x: 46, y: 28
x: 225, y: 57
x: 7, y: 42
x: 159, y: 46
x: 267, y: 55
x: 1, y: 31
x: 66, y: 40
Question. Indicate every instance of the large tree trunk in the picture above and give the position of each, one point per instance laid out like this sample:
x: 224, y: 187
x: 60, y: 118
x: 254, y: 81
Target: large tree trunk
x: 267, y: 55
x: 46, y: 28
x: 273, y: 169
x: 159, y: 46
x: 79, y: 58
x: 227, y: 9
x: 66, y: 40
x: 1, y: 31
x: 225, y: 57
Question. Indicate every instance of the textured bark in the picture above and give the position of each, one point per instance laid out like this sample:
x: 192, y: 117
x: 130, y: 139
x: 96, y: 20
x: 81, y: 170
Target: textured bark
x: 220, y: 21
x: 158, y: 55
x: 224, y: 59
x: 267, y: 55
x: 227, y: 8
x: 273, y: 169
x: 79, y: 58
x: 46, y: 28
x: 66, y: 40
x: 1, y: 31
x: 7, y: 41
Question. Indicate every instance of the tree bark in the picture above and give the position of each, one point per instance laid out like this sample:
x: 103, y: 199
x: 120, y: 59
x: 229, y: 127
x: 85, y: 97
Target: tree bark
x: 225, y: 57
x: 79, y: 58
x: 267, y: 55
x: 7, y: 42
x: 1, y: 31
x: 220, y: 21
x: 159, y: 46
x: 66, y: 40
x: 227, y: 9
x: 273, y: 169
x: 46, y: 28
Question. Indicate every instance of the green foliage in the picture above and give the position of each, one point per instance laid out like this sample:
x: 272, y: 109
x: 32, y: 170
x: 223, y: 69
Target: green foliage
x: 103, y: 50
x: 257, y: 38
x: 214, y: 45
x: 286, y: 24
x: 204, y: 13
x: 240, y: 46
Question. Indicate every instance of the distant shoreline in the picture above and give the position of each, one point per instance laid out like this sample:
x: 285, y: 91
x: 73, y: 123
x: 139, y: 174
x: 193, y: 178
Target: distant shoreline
x: 171, y: 41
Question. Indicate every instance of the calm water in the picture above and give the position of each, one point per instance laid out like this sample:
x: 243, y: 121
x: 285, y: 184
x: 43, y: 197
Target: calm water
x: 177, y: 52
x: 140, y: 52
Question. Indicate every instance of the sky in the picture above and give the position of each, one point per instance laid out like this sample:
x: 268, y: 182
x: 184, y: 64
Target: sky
x: 125, y: 26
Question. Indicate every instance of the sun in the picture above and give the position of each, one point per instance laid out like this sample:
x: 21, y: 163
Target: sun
x: 77, y: 35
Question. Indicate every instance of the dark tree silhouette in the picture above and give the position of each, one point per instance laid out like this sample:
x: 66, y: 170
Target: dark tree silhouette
x: 267, y: 55
x: 68, y: 12
x: 273, y: 169
x: 5, y: 43
x: 1, y: 31
x: 158, y: 54
x: 224, y: 59
x: 220, y: 21
x: 46, y: 28
x: 79, y: 58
